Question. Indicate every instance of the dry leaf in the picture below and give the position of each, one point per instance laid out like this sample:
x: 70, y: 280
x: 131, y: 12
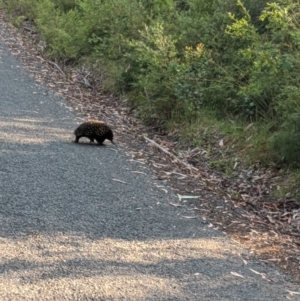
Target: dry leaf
x: 258, y: 273
x: 140, y: 172
x: 293, y: 293
x: 245, y: 261
x: 187, y: 197
x: 176, y: 205
x: 237, y: 274
x: 263, y: 276
x: 248, y: 127
x: 116, y: 180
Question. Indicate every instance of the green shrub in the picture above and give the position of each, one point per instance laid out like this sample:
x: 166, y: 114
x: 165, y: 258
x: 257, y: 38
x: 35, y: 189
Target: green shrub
x: 287, y: 140
x: 271, y: 59
x: 65, y: 33
x: 21, y: 8
x: 152, y: 73
x: 65, y: 5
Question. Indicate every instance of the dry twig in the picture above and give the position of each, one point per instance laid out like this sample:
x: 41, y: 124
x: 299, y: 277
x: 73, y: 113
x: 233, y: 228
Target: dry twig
x: 57, y: 67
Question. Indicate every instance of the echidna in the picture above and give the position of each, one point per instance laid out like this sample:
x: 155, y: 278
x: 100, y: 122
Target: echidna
x: 94, y: 130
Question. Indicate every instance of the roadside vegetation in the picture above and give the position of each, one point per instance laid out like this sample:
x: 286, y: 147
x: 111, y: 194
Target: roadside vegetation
x: 194, y: 67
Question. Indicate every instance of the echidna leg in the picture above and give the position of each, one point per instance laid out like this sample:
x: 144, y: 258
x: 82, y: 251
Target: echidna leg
x: 91, y: 139
x: 77, y: 139
x: 100, y: 140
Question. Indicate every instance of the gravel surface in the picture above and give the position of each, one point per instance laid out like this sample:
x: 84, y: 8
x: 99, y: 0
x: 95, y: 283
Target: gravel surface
x: 85, y: 222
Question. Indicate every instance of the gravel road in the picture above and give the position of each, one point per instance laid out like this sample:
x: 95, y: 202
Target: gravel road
x: 84, y: 222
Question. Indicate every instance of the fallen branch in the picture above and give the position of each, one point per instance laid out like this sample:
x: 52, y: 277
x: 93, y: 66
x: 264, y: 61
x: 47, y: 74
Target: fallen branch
x: 189, y: 166
x: 57, y: 67
x: 29, y: 29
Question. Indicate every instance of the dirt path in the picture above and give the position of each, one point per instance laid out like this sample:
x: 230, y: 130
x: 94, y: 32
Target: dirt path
x: 81, y: 222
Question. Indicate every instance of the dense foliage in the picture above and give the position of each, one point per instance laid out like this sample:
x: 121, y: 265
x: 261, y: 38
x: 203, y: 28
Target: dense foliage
x: 176, y: 58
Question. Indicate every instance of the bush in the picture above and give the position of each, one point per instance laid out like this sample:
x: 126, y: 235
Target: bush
x: 287, y: 140
x: 65, y: 33
x: 21, y: 8
x: 271, y: 59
